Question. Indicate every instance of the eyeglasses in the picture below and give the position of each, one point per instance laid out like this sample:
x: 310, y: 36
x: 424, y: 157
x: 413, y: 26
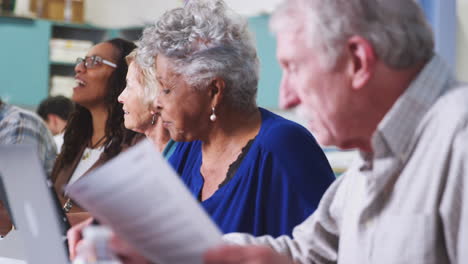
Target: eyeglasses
x: 93, y: 61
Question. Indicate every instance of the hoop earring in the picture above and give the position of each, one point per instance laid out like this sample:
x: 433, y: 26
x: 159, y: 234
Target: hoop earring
x: 153, y: 120
x: 213, y: 115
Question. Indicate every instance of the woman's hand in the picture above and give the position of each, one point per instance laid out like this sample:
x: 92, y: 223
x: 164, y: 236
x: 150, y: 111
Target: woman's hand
x: 74, y: 235
x: 244, y: 255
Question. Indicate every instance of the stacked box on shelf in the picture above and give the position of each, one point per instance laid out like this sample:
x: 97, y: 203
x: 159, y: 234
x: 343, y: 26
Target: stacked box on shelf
x: 55, y: 10
x: 67, y: 50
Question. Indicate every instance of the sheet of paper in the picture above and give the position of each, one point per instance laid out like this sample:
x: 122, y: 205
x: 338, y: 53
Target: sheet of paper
x: 141, y: 197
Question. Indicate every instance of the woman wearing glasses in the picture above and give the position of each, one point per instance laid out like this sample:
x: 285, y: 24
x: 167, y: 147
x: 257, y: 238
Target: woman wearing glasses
x: 95, y: 132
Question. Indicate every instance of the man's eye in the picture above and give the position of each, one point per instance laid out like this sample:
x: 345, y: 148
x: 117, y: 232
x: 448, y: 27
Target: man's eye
x: 166, y: 91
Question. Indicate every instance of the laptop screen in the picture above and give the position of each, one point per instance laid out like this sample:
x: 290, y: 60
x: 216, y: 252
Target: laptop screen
x: 34, y: 205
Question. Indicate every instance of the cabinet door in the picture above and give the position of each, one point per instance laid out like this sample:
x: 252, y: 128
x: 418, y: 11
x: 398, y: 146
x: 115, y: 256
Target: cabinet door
x: 24, y: 57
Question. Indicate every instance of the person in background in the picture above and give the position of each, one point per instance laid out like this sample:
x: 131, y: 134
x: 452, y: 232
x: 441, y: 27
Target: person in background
x: 251, y: 170
x: 95, y: 131
x: 138, y: 100
x: 365, y: 75
x: 19, y: 126
x: 55, y: 112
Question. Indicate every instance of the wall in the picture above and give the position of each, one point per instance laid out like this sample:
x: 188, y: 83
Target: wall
x: 441, y: 16
x: 253, y: 8
x: 125, y: 13
x: 24, y: 60
x: 462, y: 40
x: 270, y: 72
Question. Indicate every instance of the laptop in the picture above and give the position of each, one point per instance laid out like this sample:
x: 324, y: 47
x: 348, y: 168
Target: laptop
x: 33, y: 205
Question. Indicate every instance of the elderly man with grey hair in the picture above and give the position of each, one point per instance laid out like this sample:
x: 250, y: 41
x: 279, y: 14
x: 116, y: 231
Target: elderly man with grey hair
x: 364, y: 73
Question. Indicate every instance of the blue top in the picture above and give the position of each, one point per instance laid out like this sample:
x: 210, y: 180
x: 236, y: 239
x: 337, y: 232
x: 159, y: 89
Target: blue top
x: 278, y: 184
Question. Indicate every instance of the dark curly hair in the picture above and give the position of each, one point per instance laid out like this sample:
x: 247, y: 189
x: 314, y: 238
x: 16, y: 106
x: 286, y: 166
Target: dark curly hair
x: 79, y: 129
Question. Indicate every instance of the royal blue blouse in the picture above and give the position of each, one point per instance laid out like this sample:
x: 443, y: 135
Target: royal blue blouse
x: 278, y: 184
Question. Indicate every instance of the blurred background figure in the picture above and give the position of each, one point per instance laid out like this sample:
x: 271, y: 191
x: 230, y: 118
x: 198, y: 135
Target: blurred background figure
x: 55, y: 112
x: 19, y: 126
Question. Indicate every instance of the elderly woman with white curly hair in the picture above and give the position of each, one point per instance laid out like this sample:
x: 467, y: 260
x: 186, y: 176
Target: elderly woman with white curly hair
x: 252, y: 171
x: 137, y: 101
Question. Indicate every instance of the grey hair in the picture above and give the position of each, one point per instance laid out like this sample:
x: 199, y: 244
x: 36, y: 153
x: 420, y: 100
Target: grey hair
x: 146, y: 78
x: 397, y: 29
x: 206, y: 40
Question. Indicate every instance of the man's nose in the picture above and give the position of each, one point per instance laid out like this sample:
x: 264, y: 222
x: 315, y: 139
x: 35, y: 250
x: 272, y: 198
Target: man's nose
x: 288, y: 97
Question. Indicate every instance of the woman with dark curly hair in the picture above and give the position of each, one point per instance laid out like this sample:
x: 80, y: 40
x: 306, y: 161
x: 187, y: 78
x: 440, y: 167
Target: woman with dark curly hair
x: 95, y: 132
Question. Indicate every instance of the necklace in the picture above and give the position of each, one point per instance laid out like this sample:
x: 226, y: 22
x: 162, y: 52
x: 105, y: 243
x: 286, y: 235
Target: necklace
x: 88, y: 151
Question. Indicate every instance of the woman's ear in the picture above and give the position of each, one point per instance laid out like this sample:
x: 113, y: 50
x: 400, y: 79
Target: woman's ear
x: 216, y: 90
x: 363, y: 61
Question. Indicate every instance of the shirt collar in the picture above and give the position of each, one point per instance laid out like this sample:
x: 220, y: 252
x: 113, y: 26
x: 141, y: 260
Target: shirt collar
x: 395, y: 131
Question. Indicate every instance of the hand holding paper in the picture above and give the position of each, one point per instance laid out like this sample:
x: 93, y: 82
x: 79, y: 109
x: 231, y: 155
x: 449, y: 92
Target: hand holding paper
x: 140, y: 196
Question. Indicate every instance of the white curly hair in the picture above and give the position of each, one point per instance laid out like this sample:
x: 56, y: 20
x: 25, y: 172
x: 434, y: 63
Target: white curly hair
x: 205, y: 40
x: 146, y: 78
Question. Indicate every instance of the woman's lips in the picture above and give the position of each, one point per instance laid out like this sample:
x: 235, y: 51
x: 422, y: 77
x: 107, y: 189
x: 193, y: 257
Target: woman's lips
x: 80, y: 83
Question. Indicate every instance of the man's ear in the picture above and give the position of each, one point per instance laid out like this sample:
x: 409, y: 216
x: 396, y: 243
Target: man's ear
x: 363, y: 61
x: 216, y: 91
x: 52, y: 122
